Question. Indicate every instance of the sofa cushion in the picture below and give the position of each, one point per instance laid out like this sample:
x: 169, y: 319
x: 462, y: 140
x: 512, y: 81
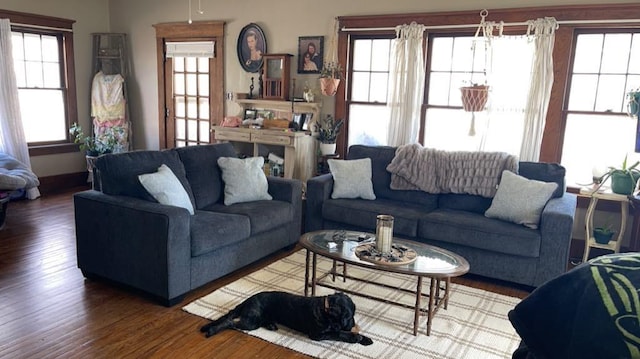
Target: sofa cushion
x: 351, y: 178
x: 520, y: 200
x: 380, y: 157
x: 118, y: 173
x: 202, y: 171
x: 475, y: 230
x: 363, y: 213
x: 164, y: 186
x: 263, y: 215
x: 546, y: 172
x: 464, y: 202
x: 244, y: 180
x: 212, y: 230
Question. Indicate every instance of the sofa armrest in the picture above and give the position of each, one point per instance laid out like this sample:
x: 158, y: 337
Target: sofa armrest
x: 289, y: 190
x: 556, y: 228
x: 283, y: 189
x: 319, y: 189
x: 139, y: 243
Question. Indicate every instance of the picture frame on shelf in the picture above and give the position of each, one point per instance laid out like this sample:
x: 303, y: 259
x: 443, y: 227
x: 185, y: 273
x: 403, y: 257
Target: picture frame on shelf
x: 250, y: 114
x: 298, y: 119
x: 310, y: 54
x: 306, y: 121
x: 265, y: 114
x: 251, y: 45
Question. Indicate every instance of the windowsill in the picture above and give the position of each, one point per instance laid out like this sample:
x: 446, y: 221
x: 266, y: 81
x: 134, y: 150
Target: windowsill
x: 44, y: 150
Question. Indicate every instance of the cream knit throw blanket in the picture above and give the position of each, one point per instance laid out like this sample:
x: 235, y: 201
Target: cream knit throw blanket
x: 435, y: 171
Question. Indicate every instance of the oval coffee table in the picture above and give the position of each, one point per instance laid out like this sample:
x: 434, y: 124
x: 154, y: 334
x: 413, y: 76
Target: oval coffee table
x: 437, y: 264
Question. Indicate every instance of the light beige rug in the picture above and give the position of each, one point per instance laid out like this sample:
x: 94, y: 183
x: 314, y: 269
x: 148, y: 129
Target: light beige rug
x: 475, y: 325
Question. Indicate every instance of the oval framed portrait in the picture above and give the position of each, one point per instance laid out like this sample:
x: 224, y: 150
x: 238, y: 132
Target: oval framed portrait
x: 251, y: 45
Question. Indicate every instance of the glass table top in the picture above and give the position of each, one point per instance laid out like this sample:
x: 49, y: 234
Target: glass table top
x: 340, y: 245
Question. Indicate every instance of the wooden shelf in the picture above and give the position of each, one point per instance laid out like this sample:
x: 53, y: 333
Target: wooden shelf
x: 284, y: 106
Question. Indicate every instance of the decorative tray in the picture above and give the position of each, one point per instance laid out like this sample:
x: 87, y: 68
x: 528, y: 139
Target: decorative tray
x: 400, y: 254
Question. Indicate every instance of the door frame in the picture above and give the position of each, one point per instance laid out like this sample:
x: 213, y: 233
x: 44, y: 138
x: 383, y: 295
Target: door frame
x: 196, y: 31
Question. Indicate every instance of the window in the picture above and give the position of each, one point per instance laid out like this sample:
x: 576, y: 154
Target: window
x: 599, y: 133
x: 43, y: 61
x: 368, y: 114
x: 38, y: 66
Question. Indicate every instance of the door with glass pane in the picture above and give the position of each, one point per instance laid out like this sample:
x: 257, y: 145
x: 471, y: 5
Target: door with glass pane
x: 188, y: 114
x: 190, y: 78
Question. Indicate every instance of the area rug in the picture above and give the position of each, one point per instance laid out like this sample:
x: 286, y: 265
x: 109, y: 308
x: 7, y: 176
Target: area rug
x: 475, y: 325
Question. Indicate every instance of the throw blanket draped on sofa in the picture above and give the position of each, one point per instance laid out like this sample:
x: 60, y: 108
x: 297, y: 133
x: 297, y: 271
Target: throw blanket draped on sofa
x: 476, y: 173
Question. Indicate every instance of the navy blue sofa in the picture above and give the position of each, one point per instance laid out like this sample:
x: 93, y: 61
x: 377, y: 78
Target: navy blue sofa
x: 127, y: 237
x: 494, y: 248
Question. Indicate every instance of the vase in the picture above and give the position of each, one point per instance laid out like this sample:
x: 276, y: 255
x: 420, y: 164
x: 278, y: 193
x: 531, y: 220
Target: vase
x: 329, y: 86
x: 622, y: 183
x: 327, y: 149
x: 602, y: 237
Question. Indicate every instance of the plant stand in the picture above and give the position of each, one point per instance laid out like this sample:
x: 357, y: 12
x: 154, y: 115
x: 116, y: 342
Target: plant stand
x: 590, y: 242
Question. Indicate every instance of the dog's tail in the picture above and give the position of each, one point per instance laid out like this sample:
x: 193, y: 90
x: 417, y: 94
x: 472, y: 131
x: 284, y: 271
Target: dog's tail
x: 220, y: 324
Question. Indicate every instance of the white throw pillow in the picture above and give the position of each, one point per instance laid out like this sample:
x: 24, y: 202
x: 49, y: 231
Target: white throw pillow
x: 166, y: 188
x: 352, y: 178
x: 244, y: 180
x: 520, y: 200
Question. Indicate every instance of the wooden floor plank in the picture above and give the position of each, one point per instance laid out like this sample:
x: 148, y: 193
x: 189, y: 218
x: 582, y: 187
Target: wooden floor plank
x: 48, y: 310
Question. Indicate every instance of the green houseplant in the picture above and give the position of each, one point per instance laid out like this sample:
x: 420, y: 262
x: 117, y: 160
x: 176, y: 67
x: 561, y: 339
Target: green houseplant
x: 330, y: 76
x: 602, y: 235
x: 96, y: 145
x: 328, y: 130
x: 623, y: 179
x: 633, y: 102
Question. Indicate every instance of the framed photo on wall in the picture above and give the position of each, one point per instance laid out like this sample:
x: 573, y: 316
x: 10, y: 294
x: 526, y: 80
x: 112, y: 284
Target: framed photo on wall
x: 251, y: 45
x: 310, y: 53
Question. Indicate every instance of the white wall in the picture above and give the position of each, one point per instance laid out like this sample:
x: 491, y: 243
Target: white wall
x: 90, y: 16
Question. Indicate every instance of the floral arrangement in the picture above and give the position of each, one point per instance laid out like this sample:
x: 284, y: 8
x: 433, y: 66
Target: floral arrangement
x: 328, y: 129
x: 95, y: 146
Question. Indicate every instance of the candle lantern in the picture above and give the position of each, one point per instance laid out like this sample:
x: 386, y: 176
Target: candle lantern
x: 384, y: 233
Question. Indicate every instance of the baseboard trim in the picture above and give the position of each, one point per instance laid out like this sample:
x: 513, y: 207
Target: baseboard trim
x: 63, y: 182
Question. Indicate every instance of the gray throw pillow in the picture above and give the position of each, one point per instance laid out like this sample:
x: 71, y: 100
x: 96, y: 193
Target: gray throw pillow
x: 520, y: 200
x: 165, y: 187
x: 352, y: 178
x: 244, y: 180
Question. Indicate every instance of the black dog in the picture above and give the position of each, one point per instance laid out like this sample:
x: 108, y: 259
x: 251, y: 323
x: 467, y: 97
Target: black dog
x: 321, y: 318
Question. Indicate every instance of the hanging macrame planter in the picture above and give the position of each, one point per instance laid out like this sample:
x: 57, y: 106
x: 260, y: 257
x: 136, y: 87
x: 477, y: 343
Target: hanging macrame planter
x: 329, y: 86
x: 474, y: 98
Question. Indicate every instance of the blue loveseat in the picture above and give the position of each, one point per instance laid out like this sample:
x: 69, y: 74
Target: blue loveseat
x: 125, y: 236
x: 494, y: 248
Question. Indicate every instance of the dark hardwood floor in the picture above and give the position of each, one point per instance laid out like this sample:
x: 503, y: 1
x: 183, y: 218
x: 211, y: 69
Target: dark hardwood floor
x: 48, y: 310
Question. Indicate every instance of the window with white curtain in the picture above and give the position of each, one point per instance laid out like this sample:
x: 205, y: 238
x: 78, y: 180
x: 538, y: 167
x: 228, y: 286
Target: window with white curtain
x: 599, y: 133
x: 458, y: 61
x: 39, y: 62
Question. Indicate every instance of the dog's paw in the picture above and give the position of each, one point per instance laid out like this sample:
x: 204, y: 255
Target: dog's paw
x: 366, y: 340
x: 205, y: 328
x: 271, y: 326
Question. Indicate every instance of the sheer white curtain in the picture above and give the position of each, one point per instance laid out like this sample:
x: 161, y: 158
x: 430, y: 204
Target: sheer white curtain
x: 509, y: 75
x: 406, y: 85
x: 12, y: 139
x: 540, y: 90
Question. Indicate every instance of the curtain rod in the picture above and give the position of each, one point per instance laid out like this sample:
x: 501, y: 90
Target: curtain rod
x: 524, y: 23
x: 40, y: 27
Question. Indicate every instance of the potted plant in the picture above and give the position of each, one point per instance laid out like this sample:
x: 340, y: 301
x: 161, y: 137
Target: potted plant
x: 328, y: 130
x: 474, y: 97
x: 623, y: 179
x: 96, y: 145
x: 330, y: 77
x: 602, y: 235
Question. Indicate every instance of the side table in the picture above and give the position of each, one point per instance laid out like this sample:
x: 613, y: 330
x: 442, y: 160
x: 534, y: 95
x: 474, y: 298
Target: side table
x: 590, y: 242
